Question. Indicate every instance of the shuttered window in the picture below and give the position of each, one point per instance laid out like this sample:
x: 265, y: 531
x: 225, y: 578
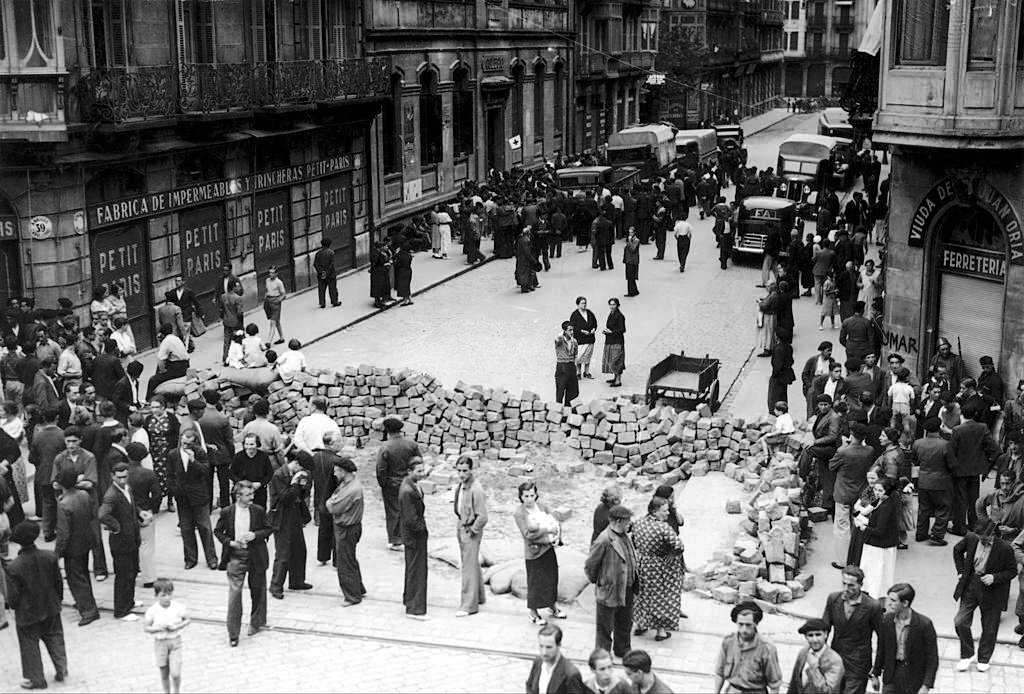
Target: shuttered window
x: 110, y: 27
x: 559, y: 98
x: 971, y: 318
x: 540, y: 72
x: 921, y: 27
x: 341, y: 27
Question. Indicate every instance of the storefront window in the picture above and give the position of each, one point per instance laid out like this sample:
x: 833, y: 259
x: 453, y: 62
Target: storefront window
x: 921, y: 27
x: 390, y: 132
x: 985, y: 16
x: 33, y: 32
x: 462, y: 101
x: 430, y: 119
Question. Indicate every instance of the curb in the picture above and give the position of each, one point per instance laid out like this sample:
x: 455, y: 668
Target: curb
x: 748, y: 133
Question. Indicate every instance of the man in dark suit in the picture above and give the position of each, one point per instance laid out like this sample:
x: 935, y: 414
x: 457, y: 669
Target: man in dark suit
x: 244, y: 554
x: 973, y: 452
x: 827, y: 437
x: 325, y: 457
x: 551, y: 668
x: 393, y: 461
x: 414, y: 537
x: 68, y: 404
x: 846, y: 285
x: 145, y: 491
x: 223, y: 285
x: 818, y: 365
x: 833, y: 384
x: 46, y: 444
x: 326, y: 274
x: 985, y: 566
x: 75, y: 513
x: 35, y: 591
x: 128, y: 392
x: 856, y: 334
x: 185, y: 299
x: 44, y: 388
x: 853, y: 616
x: 905, y: 664
x: 220, y: 442
x: 188, y: 479
x: 107, y: 370
x: 289, y: 502
x: 850, y: 466
x: 121, y: 517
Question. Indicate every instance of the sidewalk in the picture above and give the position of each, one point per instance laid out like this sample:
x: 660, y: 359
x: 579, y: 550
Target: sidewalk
x: 303, y: 319
x: 763, y: 121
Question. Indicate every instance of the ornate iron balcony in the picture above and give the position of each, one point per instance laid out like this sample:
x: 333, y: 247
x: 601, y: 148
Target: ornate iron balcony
x: 116, y: 95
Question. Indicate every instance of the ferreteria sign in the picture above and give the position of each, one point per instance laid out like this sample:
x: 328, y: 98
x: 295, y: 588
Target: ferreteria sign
x: 130, y: 209
x: 949, y: 191
x: 972, y: 262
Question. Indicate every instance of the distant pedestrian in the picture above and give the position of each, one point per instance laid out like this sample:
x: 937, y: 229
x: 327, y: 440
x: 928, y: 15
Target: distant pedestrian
x: 614, y: 360
x: 985, y: 567
x: 75, y: 513
x: 232, y: 315
x: 35, y: 591
x: 541, y: 532
x: 289, y: 512
x: 880, y: 530
x: 631, y: 260
x: 444, y: 231
x: 828, y: 302
x: 393, y: 461
x: 345, y: 506
x: 584, y: 325
x: 552, y: 672
x: 414, y: 538
x: 526, y: 264
x: 934, y: 484
x: 403, y: 273
x: 683, y: 231
x: 782, y: 374
x: 242, y: 529
x: 183, y: 297
x: 849, y: 466
x: 380, y: 270
x: 273, y: 297
x: 470, y: 508
x: 165, y: 619
x: 908, y: 650
x: 120, y: 516
x: 854, y: 618
x: 818, y: 669
x: 189, y: 480
x: 567, y: 387
x: 972, y: 451
x: 603, y: 235
x: 326, y: 274
x: 747, y: 661
x: 612, y: 568
x: 145, y: 491
x: 325, y: 456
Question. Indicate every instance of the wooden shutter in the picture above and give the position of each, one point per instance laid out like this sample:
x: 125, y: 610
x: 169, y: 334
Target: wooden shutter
x: 258, y: 22
x: 206, y: 48
x: 183, y: 25
x: 118, y: 37
x: 315, y: 35
x: 336, y: 29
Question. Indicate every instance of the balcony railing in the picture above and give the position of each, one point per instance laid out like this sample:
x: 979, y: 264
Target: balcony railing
x: 817, y: 22
x: 815, y: 51
x: 119, y: 95
x: 722, y: 6
x: 591, y: 62
x: 842, y: 23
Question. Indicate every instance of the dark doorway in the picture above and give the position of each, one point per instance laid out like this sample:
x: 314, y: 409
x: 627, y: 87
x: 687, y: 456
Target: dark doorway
x: 496, y: 138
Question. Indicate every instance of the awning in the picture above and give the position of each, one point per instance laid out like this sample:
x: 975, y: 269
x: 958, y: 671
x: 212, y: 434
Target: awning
x: 496, y: 82
x: 260, y: 134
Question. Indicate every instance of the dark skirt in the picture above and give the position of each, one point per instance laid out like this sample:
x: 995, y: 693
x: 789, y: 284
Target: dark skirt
x: 403, y: 282
x: 380, y: 284
x: 856, y: 546
x: 542, y: 581
x: 614, y: 359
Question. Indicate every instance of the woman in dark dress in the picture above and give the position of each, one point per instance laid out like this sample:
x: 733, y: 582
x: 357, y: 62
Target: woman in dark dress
x: 380, y: 280
x: 614, y: 361
x: 526, y: 273
x: 253, y: 465
x: 403, y: 274
x: 540, y: 534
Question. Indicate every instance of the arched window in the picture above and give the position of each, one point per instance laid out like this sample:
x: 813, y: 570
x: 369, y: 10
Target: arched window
x: 517, y: 100
x: 559, y: 98
x: 462, y: 102
x: 391, y: 135
x: 539, y: 73
x: 430, y: 119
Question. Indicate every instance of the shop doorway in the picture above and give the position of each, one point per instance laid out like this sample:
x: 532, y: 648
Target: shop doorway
x: 496, y: 138
x: 10, y: 258
x: 119, y: 256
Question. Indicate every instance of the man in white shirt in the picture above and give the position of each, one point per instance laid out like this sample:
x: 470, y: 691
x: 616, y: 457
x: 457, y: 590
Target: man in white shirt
x: 683, y: 231
x: 309, y: 433
x: 551, y: 672
x: 172, y: 360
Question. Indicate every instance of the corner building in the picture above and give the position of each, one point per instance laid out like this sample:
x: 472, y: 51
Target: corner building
x: 951, y: 109
x: 145, y: 141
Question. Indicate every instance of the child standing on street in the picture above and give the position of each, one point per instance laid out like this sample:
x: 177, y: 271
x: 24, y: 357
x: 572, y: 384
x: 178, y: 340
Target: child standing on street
x: 901, y: 398
x: 164, y: 620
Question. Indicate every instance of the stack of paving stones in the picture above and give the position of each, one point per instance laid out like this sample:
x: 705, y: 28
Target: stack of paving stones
x: 765, y: 561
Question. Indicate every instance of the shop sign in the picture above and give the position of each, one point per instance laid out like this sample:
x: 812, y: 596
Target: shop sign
x: 117, y: 257
x: 40, y: 227
x: 8, y: 227
x: 493, y: 63
x: 336, y: 210
x: 951, y: 190
x: 972, y: 262
x: 201, y: 232
x: 164, y: 202
x: 271, y: 239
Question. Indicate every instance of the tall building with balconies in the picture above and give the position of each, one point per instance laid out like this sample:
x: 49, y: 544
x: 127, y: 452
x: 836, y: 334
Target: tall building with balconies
x: 474, y: 85
x: 742, y: 70
x: 617, y: 43
x: 141, y: 142
x: 831, y: 31
x: 950, y: 107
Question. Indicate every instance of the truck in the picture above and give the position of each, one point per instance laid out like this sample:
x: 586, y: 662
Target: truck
x: 650, y: 148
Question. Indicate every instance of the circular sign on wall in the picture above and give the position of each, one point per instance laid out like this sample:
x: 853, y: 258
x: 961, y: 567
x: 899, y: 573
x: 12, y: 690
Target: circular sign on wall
x: 79, y: 222
x: 40, y: 227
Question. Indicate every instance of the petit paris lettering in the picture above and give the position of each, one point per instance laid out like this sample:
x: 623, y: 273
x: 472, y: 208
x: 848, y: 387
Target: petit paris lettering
x: 121, y: 265
x: 205, y: 250
x: 270, y: 228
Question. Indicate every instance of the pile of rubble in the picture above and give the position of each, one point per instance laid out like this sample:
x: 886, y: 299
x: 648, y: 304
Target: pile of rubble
x: 766, y: 558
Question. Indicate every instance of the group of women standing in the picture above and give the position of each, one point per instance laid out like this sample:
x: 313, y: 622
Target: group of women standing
x: 391, y: 256
x: 659, y: 554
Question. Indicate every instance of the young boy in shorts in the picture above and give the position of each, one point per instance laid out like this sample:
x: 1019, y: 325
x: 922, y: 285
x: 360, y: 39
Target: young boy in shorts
x: 164, y: 620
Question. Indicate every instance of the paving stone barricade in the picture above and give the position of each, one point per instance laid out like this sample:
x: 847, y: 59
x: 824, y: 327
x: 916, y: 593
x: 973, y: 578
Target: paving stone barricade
x: 640, y: 445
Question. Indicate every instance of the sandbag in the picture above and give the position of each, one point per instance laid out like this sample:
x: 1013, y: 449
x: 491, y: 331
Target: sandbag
x: 491, y: 570
x: 257, y: 380
x: 448, y: 552
x: 571, y: 582
x: 501, y: 579
x: 173, y: 389
x: 517, y: 585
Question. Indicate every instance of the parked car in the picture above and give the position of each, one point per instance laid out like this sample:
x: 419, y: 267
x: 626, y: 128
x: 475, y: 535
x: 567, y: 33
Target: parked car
x: 754, y: 217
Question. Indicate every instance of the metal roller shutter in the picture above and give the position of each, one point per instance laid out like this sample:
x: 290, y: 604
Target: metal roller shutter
x: 972, y: 309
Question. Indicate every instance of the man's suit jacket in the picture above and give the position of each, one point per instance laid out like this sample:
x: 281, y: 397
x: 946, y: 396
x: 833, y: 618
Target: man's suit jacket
x: 216, y: 430
x: 972, y: 449
x: 106, y: 371
x: 323, y: 263
x: 75, y: 512
x: 851, y: 464
x: 121, y: 518
x: 565, y: 679
x: 44, y: 392
x: 192, y: 485
x: 188, y: 303
x: 47, y: 442
x: 259, y: 558
x: 1001, y: 565
x: 829, y: 674
x: 818, y: 388
x: 851, y: 638
x: 64, y: 411
x: 34, y: 586
x: 410, y: 503
x: 123, y: 397
x: 921, y: 653
x: 826, y: 429
x: 172, y: 315
x: 145, y: 486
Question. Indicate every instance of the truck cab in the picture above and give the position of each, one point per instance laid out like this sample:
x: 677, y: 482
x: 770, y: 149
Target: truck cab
x: 649, y: 148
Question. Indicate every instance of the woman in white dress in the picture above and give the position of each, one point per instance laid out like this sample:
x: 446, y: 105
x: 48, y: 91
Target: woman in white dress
x: 870, y: 283
x: 880, y: 531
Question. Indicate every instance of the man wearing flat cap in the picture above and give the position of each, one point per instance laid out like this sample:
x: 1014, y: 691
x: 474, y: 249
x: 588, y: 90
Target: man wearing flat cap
x: 746, y: 661
x: 934, y: 484
x: 393, y: 467
x: 35, y: 591
x: 818, y: 669
x: 612, y: 568
x: 826, y: 440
